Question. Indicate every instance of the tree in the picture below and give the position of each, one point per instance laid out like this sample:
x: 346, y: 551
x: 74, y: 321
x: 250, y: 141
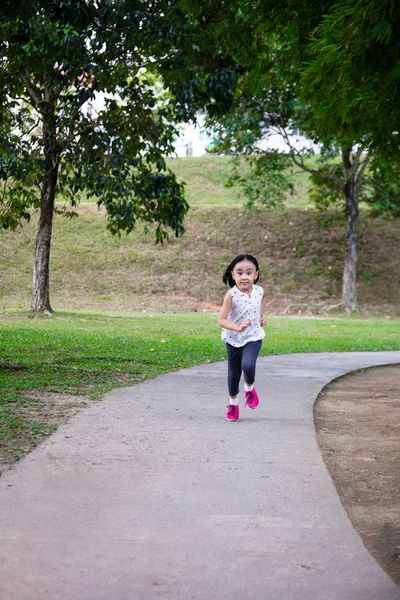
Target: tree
x: 329, y: 69
x: 55, y: 57
x: 278, y: 111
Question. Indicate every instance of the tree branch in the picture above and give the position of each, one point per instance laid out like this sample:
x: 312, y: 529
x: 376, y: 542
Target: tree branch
x: 33, y: 91
x: 363, y: 164
x: 346, y: 158
x: 32, y: 128
x: 78, y: 107
x: 27, y: 101
x: 356, y: 162
x: 51, y: 92
x: 298, y: 160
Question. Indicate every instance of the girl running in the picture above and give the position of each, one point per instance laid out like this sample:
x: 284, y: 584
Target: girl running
x: 242, y: 322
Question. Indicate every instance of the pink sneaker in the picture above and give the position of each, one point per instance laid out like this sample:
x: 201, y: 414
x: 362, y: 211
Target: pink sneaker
x: 252, y: 399
x: 232, y: 413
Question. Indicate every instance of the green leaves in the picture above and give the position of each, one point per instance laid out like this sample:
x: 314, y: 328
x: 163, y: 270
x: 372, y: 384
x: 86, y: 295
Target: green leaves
x: 352, y: 71
x: 19, y: 173
x: 58, y: 56
x: 383, y: 188
x: 262, y: 178
x: 325, y: 191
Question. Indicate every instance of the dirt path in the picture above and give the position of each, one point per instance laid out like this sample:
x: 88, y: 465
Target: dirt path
x: 358, y: 425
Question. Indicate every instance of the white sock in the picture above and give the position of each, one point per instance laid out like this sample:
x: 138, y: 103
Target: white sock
x: 248, y: 388
x: 233, y: 401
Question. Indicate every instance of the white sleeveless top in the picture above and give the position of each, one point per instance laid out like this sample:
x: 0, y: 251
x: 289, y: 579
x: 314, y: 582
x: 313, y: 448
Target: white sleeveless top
x: 244, y: 307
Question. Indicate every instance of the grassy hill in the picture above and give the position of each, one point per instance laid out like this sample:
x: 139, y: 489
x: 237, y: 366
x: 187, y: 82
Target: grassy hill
x: 300, y: 253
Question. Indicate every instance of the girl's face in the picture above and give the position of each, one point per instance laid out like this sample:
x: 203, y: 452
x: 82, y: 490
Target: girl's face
x: 244, y: 274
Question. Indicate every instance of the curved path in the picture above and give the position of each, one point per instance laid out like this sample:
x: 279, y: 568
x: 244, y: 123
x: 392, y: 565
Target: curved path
x: 153, y: 494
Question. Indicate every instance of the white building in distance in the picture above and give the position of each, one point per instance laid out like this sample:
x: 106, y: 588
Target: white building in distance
x: 195, y: 138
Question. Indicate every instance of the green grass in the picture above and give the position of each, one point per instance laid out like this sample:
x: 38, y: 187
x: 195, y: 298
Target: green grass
x: 300, y: 252
x: 205, y: 178
x: 301, y: 262
x: 85, y: 354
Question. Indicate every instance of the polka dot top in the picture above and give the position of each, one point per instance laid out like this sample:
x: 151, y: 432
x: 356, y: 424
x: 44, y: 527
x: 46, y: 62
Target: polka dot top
x: 245, y: 307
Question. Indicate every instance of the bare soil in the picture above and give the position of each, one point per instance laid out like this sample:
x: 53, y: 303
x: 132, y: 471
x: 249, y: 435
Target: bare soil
x: 358, y: 428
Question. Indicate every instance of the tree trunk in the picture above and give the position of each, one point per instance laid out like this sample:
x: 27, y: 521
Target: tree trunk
x: 351, y: 191
x: 41, y: 269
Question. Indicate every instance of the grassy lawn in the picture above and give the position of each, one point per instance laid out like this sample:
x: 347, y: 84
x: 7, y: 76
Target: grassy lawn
x: 76, y: 357
x: 300, y: 252
x: 205, y: 178
x: 301, y: 262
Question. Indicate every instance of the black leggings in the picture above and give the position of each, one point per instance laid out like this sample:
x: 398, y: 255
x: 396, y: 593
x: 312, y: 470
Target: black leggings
x: 242, y: 359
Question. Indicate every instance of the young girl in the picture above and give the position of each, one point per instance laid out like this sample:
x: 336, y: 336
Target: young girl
x: 242, y: 322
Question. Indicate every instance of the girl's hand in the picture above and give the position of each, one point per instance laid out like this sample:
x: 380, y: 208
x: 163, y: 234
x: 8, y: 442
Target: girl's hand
x: 262, y: 321
x: 244, y: 324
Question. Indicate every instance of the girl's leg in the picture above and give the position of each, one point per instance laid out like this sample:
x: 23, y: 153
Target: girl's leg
x: 234, y: 374
x: 234, y: 371
x: 249, y: 359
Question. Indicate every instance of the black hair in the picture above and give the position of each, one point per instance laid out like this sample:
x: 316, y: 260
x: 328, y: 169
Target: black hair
x: 227, y: 276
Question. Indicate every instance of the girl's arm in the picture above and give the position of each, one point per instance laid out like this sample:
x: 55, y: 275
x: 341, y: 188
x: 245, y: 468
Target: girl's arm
x: 263, y: 303
x: 223, y: 316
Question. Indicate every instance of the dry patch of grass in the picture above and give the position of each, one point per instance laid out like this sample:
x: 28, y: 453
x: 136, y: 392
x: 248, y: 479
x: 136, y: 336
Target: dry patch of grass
x: 37, y: 414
